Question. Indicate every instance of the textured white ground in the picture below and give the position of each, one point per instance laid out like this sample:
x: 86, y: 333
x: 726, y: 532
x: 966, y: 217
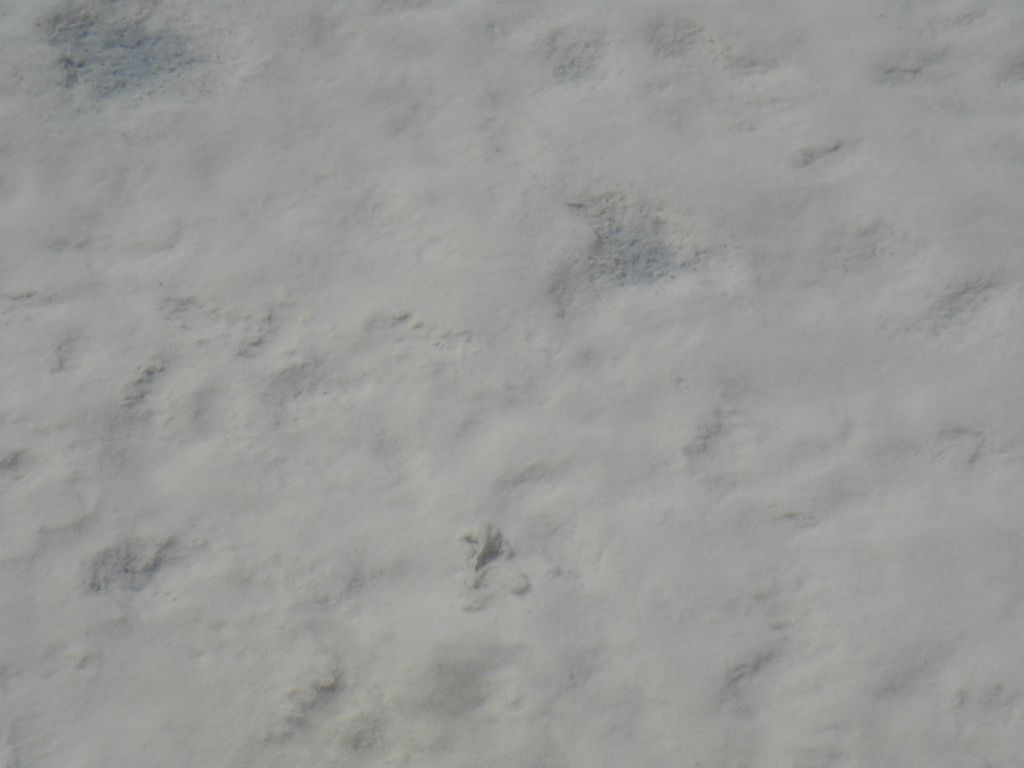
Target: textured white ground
x: 711, y: 309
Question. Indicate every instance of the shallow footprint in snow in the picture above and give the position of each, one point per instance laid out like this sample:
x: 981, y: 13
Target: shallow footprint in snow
x: 490, y: 577
x: 488, y: 545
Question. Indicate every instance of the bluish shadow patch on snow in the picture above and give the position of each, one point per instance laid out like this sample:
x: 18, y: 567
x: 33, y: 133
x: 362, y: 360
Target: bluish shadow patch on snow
x: 809, y: 155
x: 575, y: 53
x: 402, y: 6
x: 673, y: 37
x: 628, y: 248
x: 909, y: 66
x: 742, y: 679
x: 956, y: 307
x: 110, y: 51
x: 143, y: 384
x: 12, y: 460
x: 1012, y: 70
x: 129, y: 565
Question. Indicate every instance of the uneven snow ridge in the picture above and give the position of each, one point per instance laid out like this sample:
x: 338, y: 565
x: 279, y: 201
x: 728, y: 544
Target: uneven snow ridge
x: 461, y: 384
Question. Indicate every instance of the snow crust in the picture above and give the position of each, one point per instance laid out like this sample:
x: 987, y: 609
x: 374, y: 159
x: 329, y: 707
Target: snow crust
x: 450, y: 383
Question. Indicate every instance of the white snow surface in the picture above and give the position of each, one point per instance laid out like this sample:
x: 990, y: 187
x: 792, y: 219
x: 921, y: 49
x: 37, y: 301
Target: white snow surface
x: 465, y: 384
